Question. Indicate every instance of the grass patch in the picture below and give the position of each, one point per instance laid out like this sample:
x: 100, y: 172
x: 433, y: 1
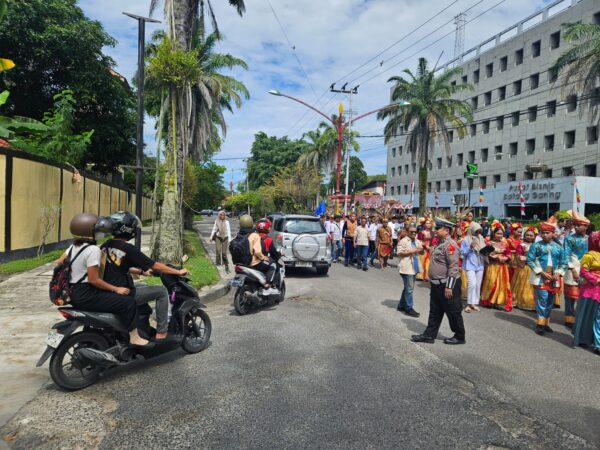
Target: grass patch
x: 203, y: 272
x: 22, y: 265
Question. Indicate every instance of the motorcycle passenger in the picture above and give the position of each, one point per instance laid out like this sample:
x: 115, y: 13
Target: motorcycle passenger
x: 268, y: 248
x: 260, y: 261
x: 89, y: 292
x: 124, y: 259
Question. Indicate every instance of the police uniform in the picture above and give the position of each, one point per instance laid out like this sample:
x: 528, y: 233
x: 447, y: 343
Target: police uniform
x: 444, y: 274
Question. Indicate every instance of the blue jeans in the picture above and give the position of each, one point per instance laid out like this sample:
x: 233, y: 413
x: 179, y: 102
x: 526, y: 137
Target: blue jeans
x: 544, y: 301
x: 349, y: 254
x: 406, y: 299
x: 336, y: 250
x: 362, y: 253
x: 372, y: 251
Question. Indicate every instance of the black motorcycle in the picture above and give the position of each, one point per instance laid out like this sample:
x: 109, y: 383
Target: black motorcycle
x: 250, y: 294
x: 87, y: 344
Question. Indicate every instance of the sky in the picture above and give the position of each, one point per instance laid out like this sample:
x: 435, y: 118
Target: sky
x: 310, y: 45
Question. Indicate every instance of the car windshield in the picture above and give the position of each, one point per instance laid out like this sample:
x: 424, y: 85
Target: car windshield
x: 298, y: 226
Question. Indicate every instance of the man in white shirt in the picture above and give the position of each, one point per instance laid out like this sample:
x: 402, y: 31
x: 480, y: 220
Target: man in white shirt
x: 372, y: 227
x: 334, y: 231
x: 408, y: 250
x: 395, y: 227
x: 221, y: 235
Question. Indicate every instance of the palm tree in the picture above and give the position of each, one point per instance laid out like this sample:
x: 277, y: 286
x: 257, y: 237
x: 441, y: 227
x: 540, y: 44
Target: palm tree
x: 432, y: 111
x: 581, y: 63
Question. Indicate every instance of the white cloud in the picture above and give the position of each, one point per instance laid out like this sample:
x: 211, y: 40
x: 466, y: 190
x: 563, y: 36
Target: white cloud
x: 331, y: 38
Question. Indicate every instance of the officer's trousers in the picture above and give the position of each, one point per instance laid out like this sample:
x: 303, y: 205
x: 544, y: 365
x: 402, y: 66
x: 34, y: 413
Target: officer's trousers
x: 438, y: 305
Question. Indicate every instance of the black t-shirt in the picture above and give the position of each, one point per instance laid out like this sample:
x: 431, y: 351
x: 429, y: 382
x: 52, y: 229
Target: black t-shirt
x: 121, y: 256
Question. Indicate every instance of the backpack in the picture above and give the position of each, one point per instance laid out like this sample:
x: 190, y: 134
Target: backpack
x: 239, y: 247
x: 60, y: 287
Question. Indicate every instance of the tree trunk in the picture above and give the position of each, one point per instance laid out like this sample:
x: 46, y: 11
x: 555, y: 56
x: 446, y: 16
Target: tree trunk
x: 423, y: 175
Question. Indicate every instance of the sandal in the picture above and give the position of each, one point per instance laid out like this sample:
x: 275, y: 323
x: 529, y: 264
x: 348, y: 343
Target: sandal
x: 467, y: 309
x: 475, y: 308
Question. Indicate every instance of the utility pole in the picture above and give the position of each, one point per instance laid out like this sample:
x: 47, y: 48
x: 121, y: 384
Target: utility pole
x: 459, y: 40
x: 139, y: 160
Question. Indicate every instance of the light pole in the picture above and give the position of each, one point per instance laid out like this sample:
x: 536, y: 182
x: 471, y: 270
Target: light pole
x: 340, y: 127
x: 139, y: 159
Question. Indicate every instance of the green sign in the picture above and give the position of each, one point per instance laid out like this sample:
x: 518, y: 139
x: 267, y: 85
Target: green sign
x: 471, y: 168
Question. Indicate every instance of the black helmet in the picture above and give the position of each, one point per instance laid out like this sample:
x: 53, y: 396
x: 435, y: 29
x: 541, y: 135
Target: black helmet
x: 125, y: 225
x: 105, y: 225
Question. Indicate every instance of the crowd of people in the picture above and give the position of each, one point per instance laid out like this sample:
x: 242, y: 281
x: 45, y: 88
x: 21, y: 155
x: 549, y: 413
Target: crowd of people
x: 502, y: 265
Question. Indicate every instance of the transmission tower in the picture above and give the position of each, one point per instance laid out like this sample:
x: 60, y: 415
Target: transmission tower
x: 459, y: 42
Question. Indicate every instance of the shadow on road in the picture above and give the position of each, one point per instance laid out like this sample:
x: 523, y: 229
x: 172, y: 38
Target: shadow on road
x: 529, y: 323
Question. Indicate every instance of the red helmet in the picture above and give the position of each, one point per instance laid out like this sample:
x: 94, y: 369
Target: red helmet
x: 263, y: 226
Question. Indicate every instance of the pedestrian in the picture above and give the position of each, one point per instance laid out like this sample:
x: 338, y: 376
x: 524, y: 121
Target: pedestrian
x: 444, y: 297
x: 409, y: 248
x: 348, y: 232
x: 522, y: 290
x: 395, y: 227
x: 587, y: 325
x: 495, y: 291
x: 361, y: 244
x: 383, y: 242
x: 335, y: 232
x: 221, y: 235
x: 473, y: 264
x: 576, y: 245
x: 373, y: 225
x: 485, y: 227
x: 425, y: 235
x: 546, y: 259
x: 514, y: 240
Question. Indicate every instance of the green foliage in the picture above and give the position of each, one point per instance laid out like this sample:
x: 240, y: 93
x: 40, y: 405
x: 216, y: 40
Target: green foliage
x: 22, y: 265
x: 55, y: 47
x: 171, y: 66
x: 147, y: 176
x: 358, y: 177
x: 269, y: 154
x: 595, y: 220
x: 210, y: 190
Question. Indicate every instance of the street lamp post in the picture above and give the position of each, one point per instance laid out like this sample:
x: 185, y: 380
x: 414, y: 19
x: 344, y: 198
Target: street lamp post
x: 139, y: 159
x: 340, y: 127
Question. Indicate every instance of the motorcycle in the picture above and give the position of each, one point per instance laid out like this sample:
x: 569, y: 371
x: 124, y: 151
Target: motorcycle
x: 249, y: 293
x: 87, y: 344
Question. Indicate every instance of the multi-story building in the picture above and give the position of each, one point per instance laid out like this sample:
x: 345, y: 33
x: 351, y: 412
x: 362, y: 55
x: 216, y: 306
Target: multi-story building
x: 526, y: 126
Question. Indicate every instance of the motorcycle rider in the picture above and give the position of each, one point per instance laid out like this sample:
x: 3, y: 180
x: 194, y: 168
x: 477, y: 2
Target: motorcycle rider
x: 124, y: 259
x: 89, y: 291
x: 263, y: 227
x: 260, y: 261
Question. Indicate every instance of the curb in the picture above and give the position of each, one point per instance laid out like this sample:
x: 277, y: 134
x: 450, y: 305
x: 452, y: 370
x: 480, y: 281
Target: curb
x: 209, y: 294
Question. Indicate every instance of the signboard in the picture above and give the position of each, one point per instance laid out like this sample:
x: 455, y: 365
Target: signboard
x: 471, y: 168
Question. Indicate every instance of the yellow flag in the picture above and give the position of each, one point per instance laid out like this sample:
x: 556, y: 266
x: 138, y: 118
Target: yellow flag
x: 6, y: 64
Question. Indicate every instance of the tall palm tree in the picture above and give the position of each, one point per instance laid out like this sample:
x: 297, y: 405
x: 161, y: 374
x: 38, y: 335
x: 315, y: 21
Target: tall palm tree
x: 432, y: 111
x: 581, y: 63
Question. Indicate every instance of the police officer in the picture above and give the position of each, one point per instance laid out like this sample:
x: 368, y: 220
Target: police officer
x: 444, y: 296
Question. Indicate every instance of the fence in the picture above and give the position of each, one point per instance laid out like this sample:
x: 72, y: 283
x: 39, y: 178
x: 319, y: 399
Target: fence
x: 31, y: 187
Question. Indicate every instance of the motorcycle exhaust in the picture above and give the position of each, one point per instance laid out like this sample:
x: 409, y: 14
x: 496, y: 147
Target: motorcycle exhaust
x: 98, y: 357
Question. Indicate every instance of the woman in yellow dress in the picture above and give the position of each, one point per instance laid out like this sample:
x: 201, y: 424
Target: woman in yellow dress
x: 496, y: 291
x: 425, y: 236
x: 521, y: 288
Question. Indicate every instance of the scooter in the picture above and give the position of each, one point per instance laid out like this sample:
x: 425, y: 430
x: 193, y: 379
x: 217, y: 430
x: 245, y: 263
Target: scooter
x: 249, y: 293
x: 87, y: 344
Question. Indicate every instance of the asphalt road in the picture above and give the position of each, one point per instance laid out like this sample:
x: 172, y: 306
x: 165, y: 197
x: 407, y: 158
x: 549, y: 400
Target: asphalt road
x: 333, y: 367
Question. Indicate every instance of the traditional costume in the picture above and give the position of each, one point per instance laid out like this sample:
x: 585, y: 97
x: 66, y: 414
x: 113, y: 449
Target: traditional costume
x: 496, y: 283
x: 522, y: 289
x: 576, y: 245
x: 425, y: 236
x: 546, y: 257
x: 514, y: 241
x: 384, y: 243
x: 587, y: 325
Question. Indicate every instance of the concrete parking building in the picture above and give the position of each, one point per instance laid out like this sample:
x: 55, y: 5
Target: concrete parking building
x: 524, y: 120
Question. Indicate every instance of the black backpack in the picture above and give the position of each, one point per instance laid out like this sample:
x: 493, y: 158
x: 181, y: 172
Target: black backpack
x: 60, y: 287
x: 239, y: 247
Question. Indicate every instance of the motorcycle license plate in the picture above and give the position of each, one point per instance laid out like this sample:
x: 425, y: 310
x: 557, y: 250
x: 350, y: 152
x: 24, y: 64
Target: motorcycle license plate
x: 53, y: 340
x: 236, y: 283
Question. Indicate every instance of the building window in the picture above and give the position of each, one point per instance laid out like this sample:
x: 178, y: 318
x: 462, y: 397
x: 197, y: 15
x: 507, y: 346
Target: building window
x: 405, y: 189
x: 551, y: 108
x: 547, y: 173
x: 517, y: 87
x: 536, y: 49
x: 429, y: 187
x: 511, y: 177
x: 448, y: 186
x: 549, y: 143
x: 596, y: 18
x: 473, y: 128
x: 534, y: 81
x: 498, y: 152
x: 450, y: 136
x: 439, y: 163
x: 497, y: 179
x: 530, y: 146
x: 470, y: 183
x: 472, y: 156
x: 393, y: 171
x: 528, y: 175
x: 448, y: 161
x: 503, y: 63
x: 489, y: 70
x: 476, y: 76
x: 400, y: 150
x: 592, y: 135
x: 474, y: 102
x: 513, y: 148
x: 458, y: 184
x: 552, y: 75
x: 567, y: 171
x: 429, y: 165
x: 485, y: 126
x: 571, y: 102
x: 555, y: 40
x: 589, y: 170
x: 464, y: 79
x: 500, y: 122
x: 459, y: 159
x: 394, y: 152
x: 406, y: 169
x: 501, y: 93
x: 532, y: 114
x: 414, y: 167
x: 519, y: 57
x: 482, y: 182
x: 487, y: 98
x: 484, y: 155
x: 399, y: 171
x: 392, y: 190
x: 438, y: 186
x: 515, y: 117
x: 569, y: 139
